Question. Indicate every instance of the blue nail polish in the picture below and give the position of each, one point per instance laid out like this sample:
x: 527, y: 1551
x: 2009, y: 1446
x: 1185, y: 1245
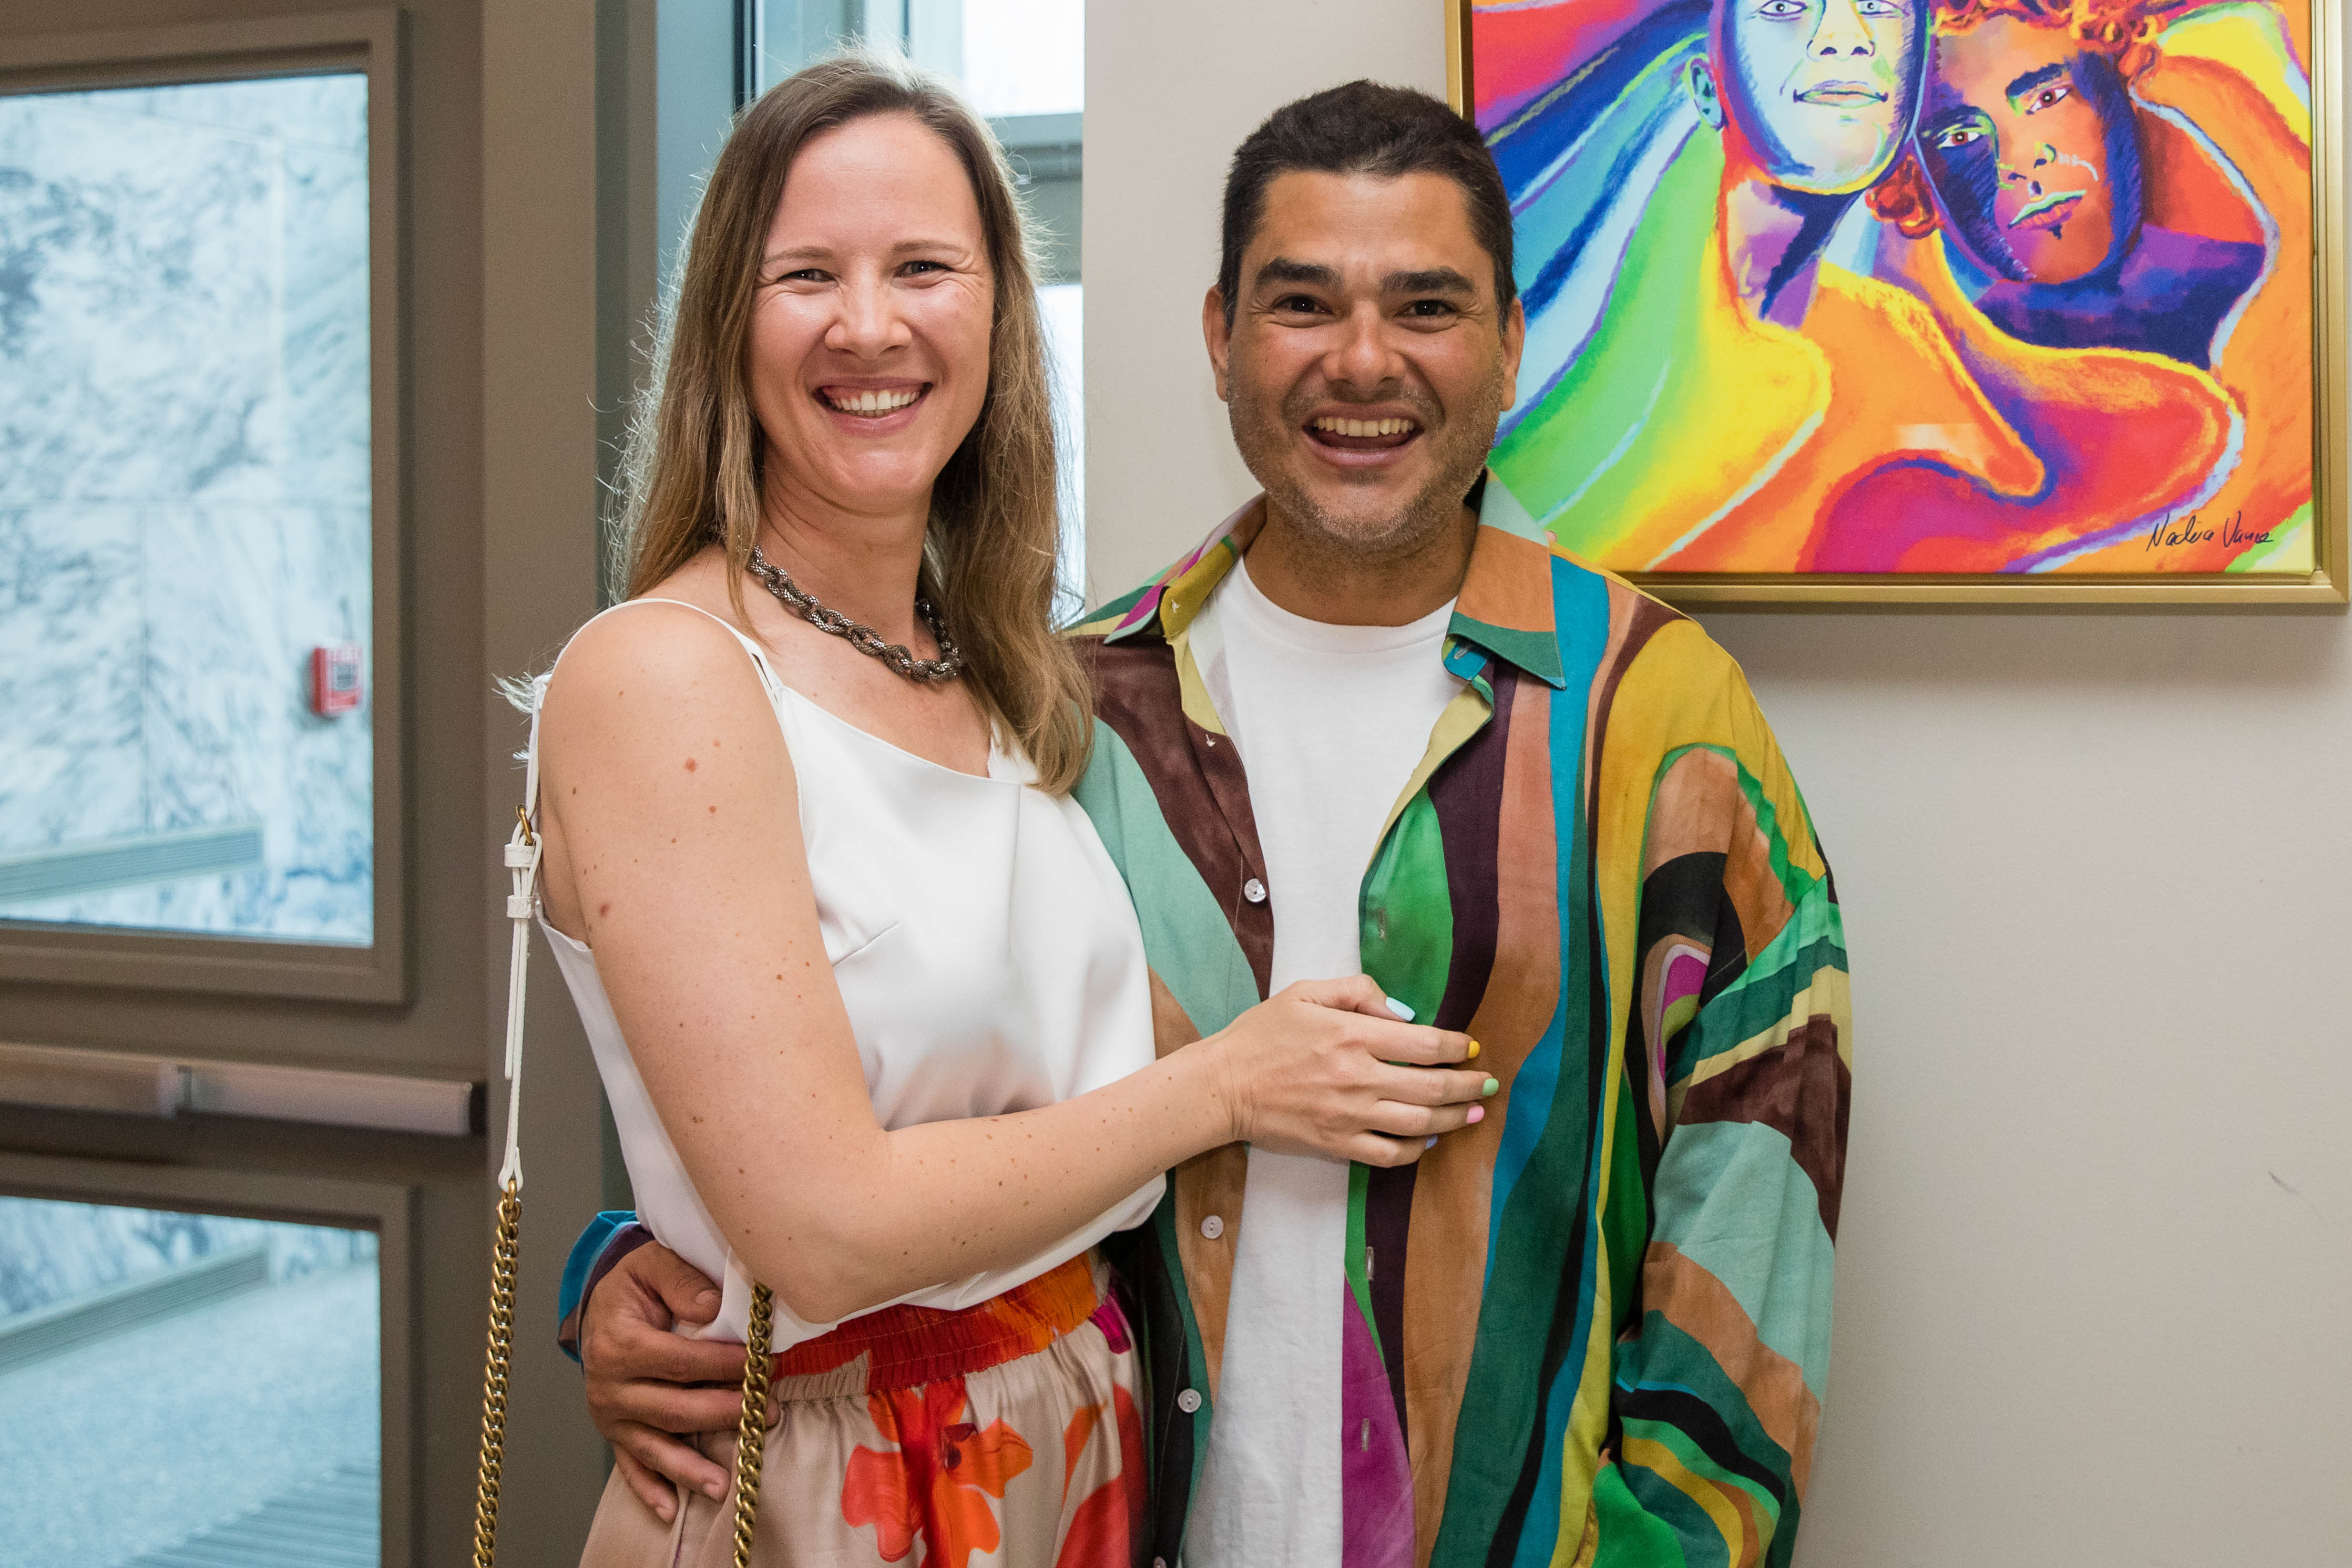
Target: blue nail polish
x: 1400, y: 1010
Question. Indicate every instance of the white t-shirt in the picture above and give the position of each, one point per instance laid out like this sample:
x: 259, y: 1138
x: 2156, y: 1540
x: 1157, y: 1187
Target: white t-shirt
x: 1330, y: 722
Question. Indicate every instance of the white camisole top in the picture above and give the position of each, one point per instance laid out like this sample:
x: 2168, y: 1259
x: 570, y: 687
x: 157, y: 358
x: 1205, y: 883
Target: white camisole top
x: 985, y: 949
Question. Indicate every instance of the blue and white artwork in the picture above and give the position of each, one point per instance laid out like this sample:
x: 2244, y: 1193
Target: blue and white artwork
x: 184, y: 507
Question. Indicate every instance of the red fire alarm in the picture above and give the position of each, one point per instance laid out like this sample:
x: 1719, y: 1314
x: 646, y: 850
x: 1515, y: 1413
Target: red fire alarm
x: 335, y: 679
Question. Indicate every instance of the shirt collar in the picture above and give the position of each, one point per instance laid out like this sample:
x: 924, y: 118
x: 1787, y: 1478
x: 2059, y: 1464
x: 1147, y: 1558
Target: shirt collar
x: 1505, y: 608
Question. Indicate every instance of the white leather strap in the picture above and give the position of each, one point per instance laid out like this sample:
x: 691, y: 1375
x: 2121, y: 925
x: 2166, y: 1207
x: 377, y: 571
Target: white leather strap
x: 521, y: 860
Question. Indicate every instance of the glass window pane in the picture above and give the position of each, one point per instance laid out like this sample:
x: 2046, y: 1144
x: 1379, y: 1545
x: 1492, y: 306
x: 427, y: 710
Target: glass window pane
x: 186, y: 1389
x: 1026, y: 57
x: 1063, y: 307
x: 184, y: 591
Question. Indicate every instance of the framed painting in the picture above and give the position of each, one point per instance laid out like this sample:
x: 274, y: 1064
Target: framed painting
x: 1924, y: 300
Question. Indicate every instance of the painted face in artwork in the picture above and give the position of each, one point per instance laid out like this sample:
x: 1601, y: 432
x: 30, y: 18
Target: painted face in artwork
x: 1822, y: 90
x: 2030, y: 144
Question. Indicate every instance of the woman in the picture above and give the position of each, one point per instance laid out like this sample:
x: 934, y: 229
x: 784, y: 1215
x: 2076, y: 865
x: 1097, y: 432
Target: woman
x: 864, y: 989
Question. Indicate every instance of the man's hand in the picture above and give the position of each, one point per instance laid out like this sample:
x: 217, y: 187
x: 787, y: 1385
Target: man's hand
x: 646, y: 1383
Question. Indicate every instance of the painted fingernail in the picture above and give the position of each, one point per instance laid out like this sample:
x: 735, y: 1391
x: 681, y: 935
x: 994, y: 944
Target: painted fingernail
x: 1400, y: 1010
x: 1490, y: 1087
x: 1430, y: 1144
x: 1473, y: 1055
x: 1477, y: 1114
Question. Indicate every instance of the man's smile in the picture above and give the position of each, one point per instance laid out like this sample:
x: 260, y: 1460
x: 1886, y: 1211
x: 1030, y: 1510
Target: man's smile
x: 1362, y: 429
x: 1842, y: 94
x: 1365, y: 439
x: 2047, y: 211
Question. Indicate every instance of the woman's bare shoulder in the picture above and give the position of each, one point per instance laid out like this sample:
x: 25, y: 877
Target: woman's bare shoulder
x: 650, y: 666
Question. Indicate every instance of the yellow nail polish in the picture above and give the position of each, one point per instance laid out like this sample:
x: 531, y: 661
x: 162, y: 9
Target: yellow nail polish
x: 1473, y: 1052
x: 1491, y: 1087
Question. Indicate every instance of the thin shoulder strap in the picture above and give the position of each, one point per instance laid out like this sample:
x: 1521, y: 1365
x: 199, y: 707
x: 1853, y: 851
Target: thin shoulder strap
x: 768, y: 677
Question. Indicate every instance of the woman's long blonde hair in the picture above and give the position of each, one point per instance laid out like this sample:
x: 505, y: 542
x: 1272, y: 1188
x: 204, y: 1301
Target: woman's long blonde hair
x: 693, y: 467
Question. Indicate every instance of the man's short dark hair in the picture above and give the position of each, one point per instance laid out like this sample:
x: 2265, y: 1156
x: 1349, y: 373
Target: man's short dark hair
x: 1364, y: 128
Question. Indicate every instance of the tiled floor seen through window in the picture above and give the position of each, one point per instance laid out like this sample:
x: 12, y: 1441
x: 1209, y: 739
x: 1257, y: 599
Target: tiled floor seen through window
x: 186, y: 1390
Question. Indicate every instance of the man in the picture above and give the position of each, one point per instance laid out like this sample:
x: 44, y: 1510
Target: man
x: 2032, y: 145
x: 1821, y: 95
x: 2108, y: 184
x: 1366, y: 728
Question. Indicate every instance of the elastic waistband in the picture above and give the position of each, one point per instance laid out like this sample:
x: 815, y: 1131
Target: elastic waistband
x: 906, y: 1346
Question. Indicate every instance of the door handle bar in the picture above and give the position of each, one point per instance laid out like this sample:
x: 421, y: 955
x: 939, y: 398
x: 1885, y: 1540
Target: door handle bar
x: 126, y: 1083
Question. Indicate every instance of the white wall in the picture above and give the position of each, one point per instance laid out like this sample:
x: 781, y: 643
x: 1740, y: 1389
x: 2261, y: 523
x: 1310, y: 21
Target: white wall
x: 1170, y: 91
x: 2095, y: 1292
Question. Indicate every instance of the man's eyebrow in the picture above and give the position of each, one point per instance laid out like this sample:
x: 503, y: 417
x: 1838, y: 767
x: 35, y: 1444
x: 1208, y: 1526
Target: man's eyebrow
x: 1943, y: 119
x: 2033, y: 79
x: 1428, y: 280
x: 1283, y: 269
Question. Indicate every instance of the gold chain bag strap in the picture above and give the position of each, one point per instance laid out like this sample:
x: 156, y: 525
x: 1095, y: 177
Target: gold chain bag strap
x: 521, y: 859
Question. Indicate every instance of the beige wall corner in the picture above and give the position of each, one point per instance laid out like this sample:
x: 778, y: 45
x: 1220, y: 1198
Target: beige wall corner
x: 1170, y: 91
x: 540, y: 343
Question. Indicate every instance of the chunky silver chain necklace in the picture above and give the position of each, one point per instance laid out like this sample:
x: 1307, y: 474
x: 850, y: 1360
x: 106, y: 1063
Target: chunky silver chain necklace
x: 864, y: 638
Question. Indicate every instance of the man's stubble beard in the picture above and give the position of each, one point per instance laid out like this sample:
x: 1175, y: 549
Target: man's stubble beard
x: 1459, y: 443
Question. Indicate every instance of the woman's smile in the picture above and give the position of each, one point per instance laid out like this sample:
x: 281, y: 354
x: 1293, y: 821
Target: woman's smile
x: 869, y: 411
x: 871, y: 401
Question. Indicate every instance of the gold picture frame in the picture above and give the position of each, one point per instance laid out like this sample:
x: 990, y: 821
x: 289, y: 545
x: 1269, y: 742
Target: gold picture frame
x: 2323, y: 587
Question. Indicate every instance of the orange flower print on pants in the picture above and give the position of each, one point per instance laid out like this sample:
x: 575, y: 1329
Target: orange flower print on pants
x: 1112, y: 1515
x: 936, y: 1485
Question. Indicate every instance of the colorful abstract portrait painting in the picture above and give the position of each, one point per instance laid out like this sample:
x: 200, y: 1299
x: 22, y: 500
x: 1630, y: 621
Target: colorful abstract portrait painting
x: 2014, y: 294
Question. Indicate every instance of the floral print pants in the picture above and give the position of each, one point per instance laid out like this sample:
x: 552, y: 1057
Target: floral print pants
x: 1008, y: 1434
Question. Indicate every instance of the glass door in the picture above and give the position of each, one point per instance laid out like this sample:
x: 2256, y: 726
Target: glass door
x: 250, y: 951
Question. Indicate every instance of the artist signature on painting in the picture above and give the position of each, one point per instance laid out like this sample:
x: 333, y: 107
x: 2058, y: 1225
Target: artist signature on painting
x: 2194, y: 530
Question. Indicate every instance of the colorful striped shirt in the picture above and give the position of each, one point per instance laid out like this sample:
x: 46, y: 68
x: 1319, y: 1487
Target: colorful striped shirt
x: 1594, y: 1328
